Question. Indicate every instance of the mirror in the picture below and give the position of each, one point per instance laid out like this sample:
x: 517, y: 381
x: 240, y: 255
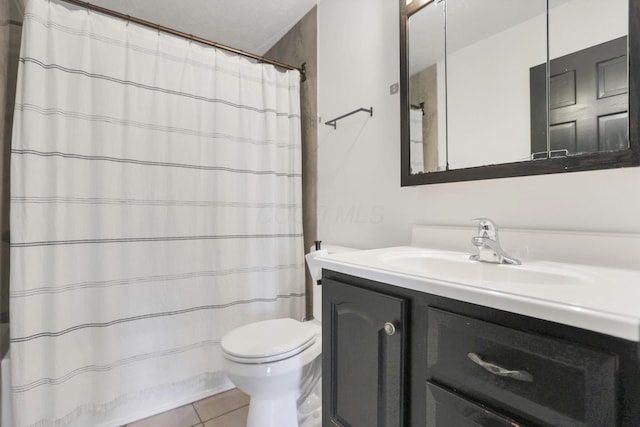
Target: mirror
x: 500, y: 88
x: 491, y: 45
x: 427, y: 91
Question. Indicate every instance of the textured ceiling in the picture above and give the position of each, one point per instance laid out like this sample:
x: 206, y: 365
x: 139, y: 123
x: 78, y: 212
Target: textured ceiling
x: 250, y: 25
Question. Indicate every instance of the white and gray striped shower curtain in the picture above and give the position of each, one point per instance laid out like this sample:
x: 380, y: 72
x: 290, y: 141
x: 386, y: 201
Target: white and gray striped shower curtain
x: 155, y: 205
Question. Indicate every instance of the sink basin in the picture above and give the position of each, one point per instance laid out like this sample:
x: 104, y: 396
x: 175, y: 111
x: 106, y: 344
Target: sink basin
x: 457, y: 267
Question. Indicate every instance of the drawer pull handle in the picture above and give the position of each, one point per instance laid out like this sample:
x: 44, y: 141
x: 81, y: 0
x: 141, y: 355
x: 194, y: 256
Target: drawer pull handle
x: 499, y: 370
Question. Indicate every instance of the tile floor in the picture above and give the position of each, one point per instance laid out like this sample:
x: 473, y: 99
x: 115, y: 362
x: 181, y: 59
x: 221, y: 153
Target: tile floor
x: 228, y: 409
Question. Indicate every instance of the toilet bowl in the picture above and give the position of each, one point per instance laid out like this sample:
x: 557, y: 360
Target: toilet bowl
x: 277, y: 363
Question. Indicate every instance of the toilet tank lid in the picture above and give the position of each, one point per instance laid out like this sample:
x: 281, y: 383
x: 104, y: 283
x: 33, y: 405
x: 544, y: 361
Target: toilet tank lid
x: 267, y: 338
x: 334, y: 249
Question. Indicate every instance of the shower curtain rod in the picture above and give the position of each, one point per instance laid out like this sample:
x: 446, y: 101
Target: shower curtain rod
x: 302, y: 69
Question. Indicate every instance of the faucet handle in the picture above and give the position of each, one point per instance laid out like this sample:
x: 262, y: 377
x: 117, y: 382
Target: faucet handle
x: 487, y: 228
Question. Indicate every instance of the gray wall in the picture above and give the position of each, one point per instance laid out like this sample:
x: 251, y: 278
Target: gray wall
x: 299, y: 46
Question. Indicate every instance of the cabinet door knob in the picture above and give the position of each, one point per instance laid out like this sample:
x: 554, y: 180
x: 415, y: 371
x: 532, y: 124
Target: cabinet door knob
x: 389, y: 328
x: 499, y: 370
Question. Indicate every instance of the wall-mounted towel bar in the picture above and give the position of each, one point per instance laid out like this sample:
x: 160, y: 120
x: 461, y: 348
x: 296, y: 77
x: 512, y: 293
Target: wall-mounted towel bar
x: 333, y: 122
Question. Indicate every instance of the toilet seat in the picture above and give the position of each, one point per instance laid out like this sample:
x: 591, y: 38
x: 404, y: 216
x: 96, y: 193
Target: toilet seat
x: 268, y: 341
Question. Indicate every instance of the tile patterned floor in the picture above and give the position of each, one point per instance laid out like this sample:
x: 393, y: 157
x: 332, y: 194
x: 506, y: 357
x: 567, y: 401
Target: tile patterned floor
x: 228, y: 409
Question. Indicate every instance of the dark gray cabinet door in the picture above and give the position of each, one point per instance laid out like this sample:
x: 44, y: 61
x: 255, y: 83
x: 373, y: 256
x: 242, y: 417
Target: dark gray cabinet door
x: 363, y: 357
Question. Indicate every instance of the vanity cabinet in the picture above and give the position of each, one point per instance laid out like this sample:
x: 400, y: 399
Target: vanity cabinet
x: 452, y: 363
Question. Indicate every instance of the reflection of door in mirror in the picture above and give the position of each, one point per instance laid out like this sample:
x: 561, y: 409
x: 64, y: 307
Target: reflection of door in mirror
x: 588, y: 88
x: 588, y: 99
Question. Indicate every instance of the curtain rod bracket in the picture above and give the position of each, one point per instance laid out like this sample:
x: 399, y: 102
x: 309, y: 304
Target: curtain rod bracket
x: 303, y: 72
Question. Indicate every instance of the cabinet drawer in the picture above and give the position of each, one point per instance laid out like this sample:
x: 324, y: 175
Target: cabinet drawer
x: 446, y: 409
x: 549, y: 382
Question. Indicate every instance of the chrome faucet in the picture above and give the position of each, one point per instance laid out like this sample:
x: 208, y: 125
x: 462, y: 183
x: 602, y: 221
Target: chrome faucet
x: 488, y: 244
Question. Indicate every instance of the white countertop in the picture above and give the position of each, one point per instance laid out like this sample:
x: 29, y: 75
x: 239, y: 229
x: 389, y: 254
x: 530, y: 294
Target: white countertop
x: 601, y: 299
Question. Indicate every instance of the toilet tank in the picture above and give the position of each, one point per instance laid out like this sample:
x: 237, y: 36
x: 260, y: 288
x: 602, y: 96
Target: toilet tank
x: 316, y: 273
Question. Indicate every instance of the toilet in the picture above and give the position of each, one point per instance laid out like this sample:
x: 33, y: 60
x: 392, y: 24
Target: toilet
x: 278, y: 364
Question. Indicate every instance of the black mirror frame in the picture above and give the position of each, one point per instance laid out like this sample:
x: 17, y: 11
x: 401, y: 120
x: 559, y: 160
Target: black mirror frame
x: 585, y: 162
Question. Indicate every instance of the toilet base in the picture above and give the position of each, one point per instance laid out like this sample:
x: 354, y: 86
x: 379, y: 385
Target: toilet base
x: 280, y: 412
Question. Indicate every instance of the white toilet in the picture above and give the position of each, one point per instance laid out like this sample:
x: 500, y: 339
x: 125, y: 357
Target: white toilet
x: 271, y: 361
x: 278, y: 364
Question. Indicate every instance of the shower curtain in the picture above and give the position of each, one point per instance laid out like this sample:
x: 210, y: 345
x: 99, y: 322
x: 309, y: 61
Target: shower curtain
x: 155, y: 205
